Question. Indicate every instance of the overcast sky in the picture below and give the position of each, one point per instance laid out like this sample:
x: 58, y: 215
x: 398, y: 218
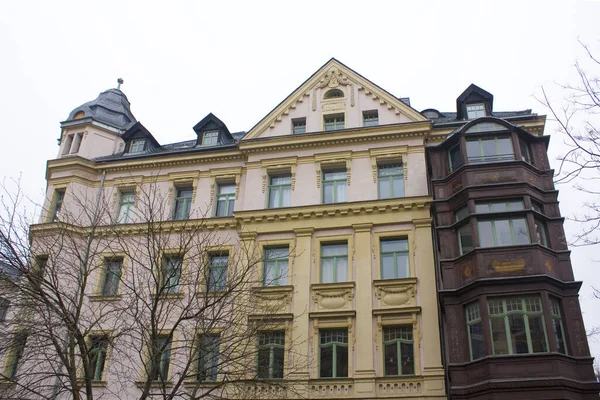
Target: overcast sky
x: 182, y: 60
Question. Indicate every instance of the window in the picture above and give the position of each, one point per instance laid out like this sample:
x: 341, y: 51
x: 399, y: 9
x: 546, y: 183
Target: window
x: 4, y: 304
x: 126, y: 207
x: 475, y: 111
x: 517, y: 325
x: 465, y: 239
x: 171, y: 274
x: 541, y: 237
x: 525, y: 154
x: 76, y: 143
x: 161, y: 357
x: 391, y: 181
x: 333, y: 94
x: 475, y: 331
x: 97, y: 356
x: 370, y: 118
x: 59, y: 197
x: 398, y: 350
x: 461, y: 213
x: 217, y: 273
x: 183, y: 203
x: 68, y: 143
x: 276, y: 266
x: 112, y: 276
x: 225, y: 200
x: 280, y: 191
x: 334, y: 186
x: 208, y: 357
x: 394, y: 258
x: 454, y: 158
x: 503, y: 232
x: 137, y: 146
x: 334, y: 122
x: 17, y: 349
x: 210, y: 138
x: 271, y: 355
x: 39, y: 268
x: 333, y: 353
x: 334, y: 262
x: 489, y: 149
x: 537, y: 206
x: 430, y: 114
x: 499, y: 206
x: 299, y: 126
x: 557, y: 326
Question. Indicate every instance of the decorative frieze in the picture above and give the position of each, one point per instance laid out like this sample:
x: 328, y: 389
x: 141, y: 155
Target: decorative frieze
x: 333, y: 296
x: 396, y: 292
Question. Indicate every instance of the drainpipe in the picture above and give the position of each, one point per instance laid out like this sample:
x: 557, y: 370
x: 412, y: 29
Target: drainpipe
x: 84, y: 262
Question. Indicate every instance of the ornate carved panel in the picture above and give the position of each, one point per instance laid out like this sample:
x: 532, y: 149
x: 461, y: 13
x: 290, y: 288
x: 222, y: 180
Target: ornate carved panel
x: 333, y: 297
x: 396, y: 292
x: 273, y: 300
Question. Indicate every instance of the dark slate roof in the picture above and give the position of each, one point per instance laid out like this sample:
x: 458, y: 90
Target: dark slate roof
x: 449, y: 117
x: 187, y: 146
x: 110, y: 107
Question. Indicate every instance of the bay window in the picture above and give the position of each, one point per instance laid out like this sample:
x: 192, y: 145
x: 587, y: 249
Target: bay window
x: 489, y: 149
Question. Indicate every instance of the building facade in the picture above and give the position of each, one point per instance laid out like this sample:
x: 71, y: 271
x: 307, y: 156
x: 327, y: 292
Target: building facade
x: 510, y: 311
x: 329, y: 190
x: 335, y: 250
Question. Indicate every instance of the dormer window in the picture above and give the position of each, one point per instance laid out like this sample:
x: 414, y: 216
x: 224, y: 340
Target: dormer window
x: 137, y: 146
x: 333, y: 94
x: 475, y: 110
x: 430, y: 114
x: 299, y: 126
x: 210, y: 138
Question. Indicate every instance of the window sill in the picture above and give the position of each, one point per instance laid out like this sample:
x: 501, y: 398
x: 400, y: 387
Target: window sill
x: 205, y: 384
x: 168, y: 296
x: 99, y: 297
x: 155, y: 384
x: 274, y: 289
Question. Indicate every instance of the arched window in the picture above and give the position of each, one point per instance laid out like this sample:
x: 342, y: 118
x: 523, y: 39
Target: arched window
x: 333, y: 93
x: 79, y: 115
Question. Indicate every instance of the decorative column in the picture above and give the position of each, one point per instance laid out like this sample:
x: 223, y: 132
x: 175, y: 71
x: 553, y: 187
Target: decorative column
x: 301, y: 334
x: 364, y: 366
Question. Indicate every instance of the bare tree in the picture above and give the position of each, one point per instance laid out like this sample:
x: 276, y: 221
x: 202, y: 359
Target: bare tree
x: 154, y: 308
x: 578, y: 121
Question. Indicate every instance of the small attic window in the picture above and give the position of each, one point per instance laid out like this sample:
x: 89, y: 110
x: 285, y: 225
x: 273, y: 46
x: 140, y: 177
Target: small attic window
x: 333, y: 94
x: 210, y: 138
x: 430, y: 114
x: 137, y: 146
x: 475, y: 110
x: 79, y: 115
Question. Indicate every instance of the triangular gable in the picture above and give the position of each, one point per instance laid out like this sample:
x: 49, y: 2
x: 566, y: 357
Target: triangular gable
x: 333, y: 75
x: 212, y: 123
x: 139, y: 131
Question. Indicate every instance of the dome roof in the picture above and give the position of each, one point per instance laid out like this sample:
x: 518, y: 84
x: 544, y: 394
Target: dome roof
x: 110, y: 107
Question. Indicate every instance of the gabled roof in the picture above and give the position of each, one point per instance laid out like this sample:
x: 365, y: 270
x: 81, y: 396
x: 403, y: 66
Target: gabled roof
x: 473, y: 94
x: 210, y: 118
x: 332, y: 74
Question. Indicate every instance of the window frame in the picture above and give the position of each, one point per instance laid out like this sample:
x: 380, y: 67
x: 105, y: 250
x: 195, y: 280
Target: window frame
x: 459, y: 230
x: 272, y: 348
x: 135, y: 144
x: 57, y: 203
x: 123, y: 218
x: 469, y: 110
x: 108, y: 262
x: 276, y: 282
x: 219, y: 286
x: 279, y: 187
x: 473, y: 318
x: 335, y: 182
x: 228, y: 198
x: 370, y: 118
x: 4, y: 307
x: 557, y: 322
x: 167, y: 287
x: 382, y: 178
x: 183, y: 203
x: 505, y: 315
x: 455, y: 164
x: 334, y: 94
x: 210, y: 138
x: 484, y: 158
x: 299, y: 126
x: 395, y: 254
x: 334, y: 345
x: 493, y: 222
x: 207, y: 354
x: 334, y: 122
x: 161, y: 374
x: 98, y: 375
x: 398, y: 342
x: 335, y: 261
x: 15, y: 354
